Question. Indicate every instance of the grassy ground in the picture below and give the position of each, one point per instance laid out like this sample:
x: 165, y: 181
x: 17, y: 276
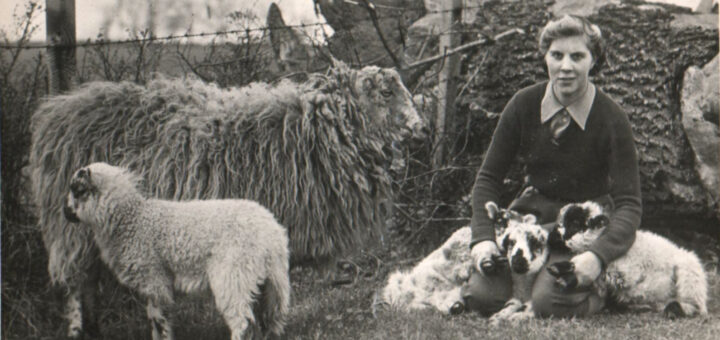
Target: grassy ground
x: 321, y: 310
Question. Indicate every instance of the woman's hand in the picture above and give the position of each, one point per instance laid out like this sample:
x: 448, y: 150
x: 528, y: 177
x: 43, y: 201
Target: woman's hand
x: 587, y: 268
x: 484, y: 253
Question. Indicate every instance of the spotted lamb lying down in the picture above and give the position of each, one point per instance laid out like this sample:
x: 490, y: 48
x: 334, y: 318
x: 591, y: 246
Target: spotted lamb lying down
x: 436, y: 281
x: 653, y: 273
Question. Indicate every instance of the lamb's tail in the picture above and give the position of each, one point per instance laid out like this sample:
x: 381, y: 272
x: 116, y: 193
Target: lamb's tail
x: 691, y: 286
x: 276, y: 296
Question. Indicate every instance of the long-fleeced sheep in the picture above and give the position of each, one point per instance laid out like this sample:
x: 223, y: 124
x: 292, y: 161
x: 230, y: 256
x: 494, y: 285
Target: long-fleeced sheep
x: 314, y: 153
x: 233, y: 247
x: 654, y: 272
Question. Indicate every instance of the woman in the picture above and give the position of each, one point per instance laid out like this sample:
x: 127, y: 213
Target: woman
x: 575, y: 144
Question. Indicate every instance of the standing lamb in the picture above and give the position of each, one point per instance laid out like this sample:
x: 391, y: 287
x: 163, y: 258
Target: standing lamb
x: 654, y: 272
x: 315, y: 153
x: 233, y: 247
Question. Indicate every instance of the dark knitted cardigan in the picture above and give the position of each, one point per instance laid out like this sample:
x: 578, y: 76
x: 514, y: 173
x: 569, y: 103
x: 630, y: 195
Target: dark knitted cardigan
x: 584, y: 165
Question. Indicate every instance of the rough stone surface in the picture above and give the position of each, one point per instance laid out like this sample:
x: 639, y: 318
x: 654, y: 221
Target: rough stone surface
x: 701, y: 133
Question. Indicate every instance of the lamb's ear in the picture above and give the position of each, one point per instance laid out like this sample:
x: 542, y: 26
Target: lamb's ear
x: 83, y: 173
x: 598, y: 221
x: 529, y: 219
x: 503, y: 244
x: 556, y: 238
x: 492, y: 209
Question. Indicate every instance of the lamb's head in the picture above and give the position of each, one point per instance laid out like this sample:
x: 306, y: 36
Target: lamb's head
x: 525, y: 243
x: 382, y: 94
x: 580, y: 223
x: 89, y: 184
x: 501, y: 216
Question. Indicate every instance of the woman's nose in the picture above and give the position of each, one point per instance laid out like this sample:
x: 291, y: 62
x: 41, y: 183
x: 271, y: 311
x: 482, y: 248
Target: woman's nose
x: 566, y: 64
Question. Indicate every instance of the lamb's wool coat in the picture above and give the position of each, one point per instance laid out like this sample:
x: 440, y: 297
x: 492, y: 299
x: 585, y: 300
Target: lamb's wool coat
x: 231, y: 247
x: 436, y: 281
x: 653, y: 273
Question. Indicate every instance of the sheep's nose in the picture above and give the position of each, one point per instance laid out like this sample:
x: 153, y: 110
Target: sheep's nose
x: 457, y: 308
x: 518, y: 263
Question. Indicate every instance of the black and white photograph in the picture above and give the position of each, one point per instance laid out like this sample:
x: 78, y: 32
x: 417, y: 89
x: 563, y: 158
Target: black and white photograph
x: 360, y: 169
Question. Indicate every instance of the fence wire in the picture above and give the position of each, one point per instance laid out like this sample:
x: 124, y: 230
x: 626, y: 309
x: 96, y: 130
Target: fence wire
x: 246, y: 31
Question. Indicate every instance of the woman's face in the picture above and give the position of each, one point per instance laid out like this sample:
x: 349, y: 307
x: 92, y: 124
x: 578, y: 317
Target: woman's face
x: 569, y: 62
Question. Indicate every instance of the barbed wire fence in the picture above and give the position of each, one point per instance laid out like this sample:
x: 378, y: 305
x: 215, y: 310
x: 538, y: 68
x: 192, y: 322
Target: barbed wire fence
x: 243, y: 31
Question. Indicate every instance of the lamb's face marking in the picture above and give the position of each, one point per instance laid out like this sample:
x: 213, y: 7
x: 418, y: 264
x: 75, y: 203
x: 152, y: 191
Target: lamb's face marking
x: 581, y: 221
x: 86, y: 185
x: 525, y: 244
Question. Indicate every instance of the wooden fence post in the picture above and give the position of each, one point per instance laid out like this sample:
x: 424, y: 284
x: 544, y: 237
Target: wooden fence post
x: 447, y: 81
x: 60, y: 35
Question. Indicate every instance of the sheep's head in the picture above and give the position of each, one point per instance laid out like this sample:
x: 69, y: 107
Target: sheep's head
x: 525, y: 243
x: 381, y: 93
x: 581, y: 222
x: 88, y: 184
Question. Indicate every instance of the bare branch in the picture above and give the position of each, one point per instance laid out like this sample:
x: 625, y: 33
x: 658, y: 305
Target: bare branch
x: 479, y: 42
x: 373, y: 16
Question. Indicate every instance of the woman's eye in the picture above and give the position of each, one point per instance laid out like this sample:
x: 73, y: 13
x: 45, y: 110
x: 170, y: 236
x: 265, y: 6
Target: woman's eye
x: 577, y: 56
x: 556, y: 55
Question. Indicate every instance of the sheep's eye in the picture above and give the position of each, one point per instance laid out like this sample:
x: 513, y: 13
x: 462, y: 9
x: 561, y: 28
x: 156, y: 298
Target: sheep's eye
x: 386, y: 93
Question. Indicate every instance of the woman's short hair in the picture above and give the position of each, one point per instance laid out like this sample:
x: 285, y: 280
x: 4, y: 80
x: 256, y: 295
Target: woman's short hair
x: 571, y: 26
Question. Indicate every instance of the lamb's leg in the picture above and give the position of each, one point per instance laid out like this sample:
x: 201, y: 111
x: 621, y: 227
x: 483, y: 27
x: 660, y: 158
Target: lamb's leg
x: 525, y: 313
x: 161, y: 329
x: 80, y: 305
x: 233, y: 290
x: 159, y: 291
x: 73, y: 313
x: 691, y: 291
x: 511, y: 307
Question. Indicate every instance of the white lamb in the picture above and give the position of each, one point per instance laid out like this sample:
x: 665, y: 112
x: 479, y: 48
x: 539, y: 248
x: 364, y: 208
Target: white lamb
x: 436, y: 281
x: 653, y: 273
x: 233, y: 247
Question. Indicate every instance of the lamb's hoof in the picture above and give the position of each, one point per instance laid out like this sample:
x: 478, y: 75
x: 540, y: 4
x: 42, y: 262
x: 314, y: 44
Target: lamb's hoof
x: 457, y: 308
x: 673, y: 310
x: 564, y: 273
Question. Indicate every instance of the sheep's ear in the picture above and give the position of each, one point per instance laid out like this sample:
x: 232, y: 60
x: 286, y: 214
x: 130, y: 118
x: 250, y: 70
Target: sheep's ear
x: 492, y: 210
x: 598, y: 221
x: 529, y: 219
x: 368, y: 84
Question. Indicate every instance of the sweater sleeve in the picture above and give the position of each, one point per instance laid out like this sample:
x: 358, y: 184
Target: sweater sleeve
x: 488, y: 182
x: 619, y: 235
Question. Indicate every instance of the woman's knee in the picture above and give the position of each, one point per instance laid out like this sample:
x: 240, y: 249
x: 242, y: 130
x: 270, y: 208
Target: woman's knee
x: 487, y: 294
x: 552, y: 300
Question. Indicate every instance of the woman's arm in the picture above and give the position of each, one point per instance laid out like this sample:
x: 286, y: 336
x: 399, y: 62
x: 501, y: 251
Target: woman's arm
x: 624, y: 190
x: 488, y: 182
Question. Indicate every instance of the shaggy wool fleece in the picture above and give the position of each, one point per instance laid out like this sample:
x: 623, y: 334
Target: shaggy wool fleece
x: 314, y: 153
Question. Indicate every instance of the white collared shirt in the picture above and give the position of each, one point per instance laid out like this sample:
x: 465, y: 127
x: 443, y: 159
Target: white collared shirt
x: 579, y: 110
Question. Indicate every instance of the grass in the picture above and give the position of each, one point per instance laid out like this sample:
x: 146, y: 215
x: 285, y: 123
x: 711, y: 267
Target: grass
x: 321, y: 310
